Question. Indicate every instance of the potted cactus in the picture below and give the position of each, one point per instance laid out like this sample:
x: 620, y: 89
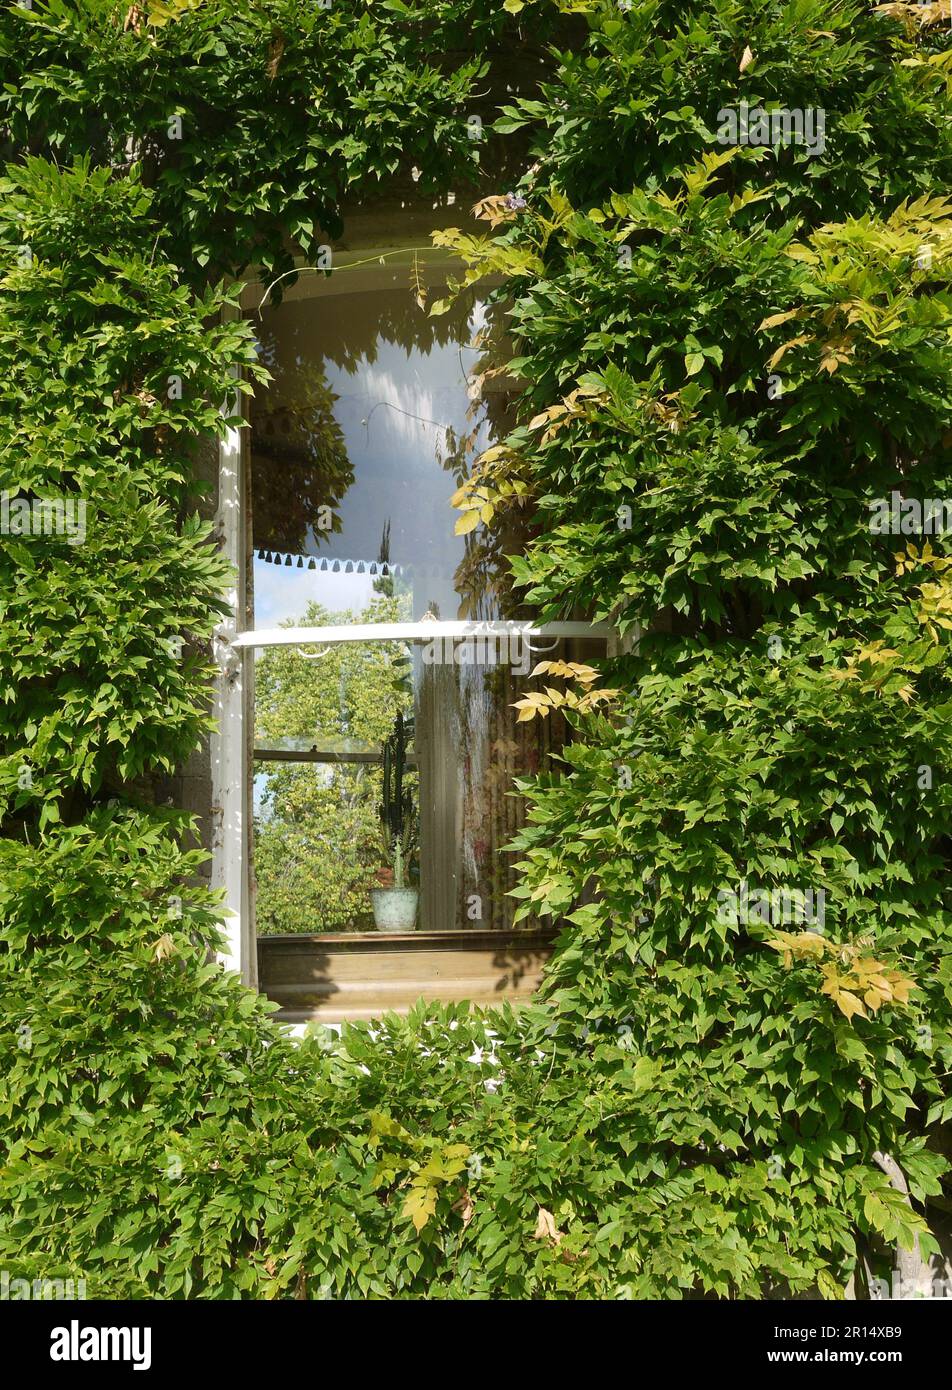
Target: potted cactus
x: 394, y: 900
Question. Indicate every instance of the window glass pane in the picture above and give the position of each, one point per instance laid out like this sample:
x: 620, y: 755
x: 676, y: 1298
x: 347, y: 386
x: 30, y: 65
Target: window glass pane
x: 319, y: 851
x: 357, y: 446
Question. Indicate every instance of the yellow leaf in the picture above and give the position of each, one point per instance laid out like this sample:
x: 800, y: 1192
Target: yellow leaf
x: 546, y: 1227
x: 490, y: 455
x: 456, y: 1151
x: 164, y: 947
x: 162, y: 13
x: 584, y: 674
x: 807, y: 943
x: 420, y: 1205
x: 530, y: 705
x: 874, y: 998
x: 746, y: 59
x: 466, y: 523
x: 774, y: 320
x: 848, y: 1004
x: 541, y: 891
x: 794, y: 342
x: 749, y: 195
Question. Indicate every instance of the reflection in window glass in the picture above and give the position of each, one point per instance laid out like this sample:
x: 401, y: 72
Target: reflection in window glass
x: 318, y: 838
x: 321, y: 727
x: 365, y: 433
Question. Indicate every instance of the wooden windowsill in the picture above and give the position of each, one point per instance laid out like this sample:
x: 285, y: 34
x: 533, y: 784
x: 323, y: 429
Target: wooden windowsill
x: 337, y: 977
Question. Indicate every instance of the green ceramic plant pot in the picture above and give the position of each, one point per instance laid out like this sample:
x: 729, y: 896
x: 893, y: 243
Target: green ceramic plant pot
x: 395, y: 908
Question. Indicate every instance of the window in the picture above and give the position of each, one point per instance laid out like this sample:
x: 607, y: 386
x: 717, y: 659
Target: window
x: 385, y: 651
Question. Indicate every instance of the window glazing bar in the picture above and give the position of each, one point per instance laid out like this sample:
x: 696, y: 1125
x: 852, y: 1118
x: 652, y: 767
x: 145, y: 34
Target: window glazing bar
x: 415, y: 632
